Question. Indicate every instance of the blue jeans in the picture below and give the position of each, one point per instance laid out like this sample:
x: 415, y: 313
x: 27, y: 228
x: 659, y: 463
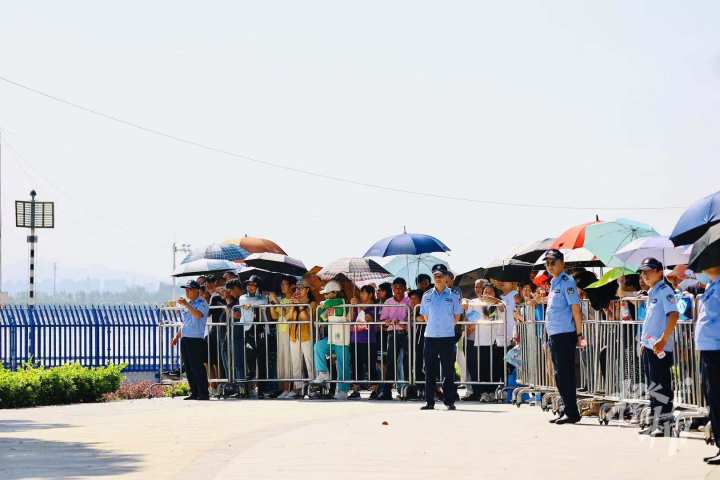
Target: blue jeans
x: 342, y: 355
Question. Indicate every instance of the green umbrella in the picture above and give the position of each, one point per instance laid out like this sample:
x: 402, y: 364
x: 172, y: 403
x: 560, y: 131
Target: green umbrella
x: 606, y: 238
x: 612, y: 274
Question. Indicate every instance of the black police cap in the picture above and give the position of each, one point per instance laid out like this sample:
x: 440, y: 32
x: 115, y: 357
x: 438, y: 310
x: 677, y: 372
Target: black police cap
x: 650, y: 263
x: 554, y: 254
x: 439, y: 268
x: 191, y: 284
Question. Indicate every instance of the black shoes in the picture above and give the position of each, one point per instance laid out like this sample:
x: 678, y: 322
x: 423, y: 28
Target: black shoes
x: 564, y: 420
x: 354, y: 395
x: 427, y: 407
x: 451, y: 407
x: 713, y: 459
x: 191, y: 397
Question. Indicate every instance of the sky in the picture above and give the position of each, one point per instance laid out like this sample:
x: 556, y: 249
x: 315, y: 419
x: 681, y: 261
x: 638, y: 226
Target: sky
x: 566, y: 104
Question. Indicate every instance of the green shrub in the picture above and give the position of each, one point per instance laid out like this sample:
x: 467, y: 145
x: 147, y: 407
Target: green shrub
x: 31, y: 386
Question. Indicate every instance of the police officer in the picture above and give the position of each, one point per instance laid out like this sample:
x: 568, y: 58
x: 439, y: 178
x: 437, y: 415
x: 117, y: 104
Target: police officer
x: 707, y: 341
x: 193, y: 349
x: 656, y: 339
x: 564, y: 328
x: 440, y: 309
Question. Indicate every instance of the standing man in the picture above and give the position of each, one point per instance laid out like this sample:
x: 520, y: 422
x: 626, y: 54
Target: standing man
x: 707, y: 341
x: 564, y: 329
x: 193, y: 349
x: 440, y: 309
x: 656, y: 339
x: 396, y: 344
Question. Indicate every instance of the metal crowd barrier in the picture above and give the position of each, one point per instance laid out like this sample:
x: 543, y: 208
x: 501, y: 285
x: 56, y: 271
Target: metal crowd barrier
x: 256, y: 341
x: 169, y: 361
x: 217, y: 336
x: 482, y: 345
x: 339, y: 342
x: 535, y: 375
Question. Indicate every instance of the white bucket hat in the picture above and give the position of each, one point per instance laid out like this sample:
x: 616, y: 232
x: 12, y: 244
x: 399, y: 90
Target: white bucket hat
x: 331, y: 286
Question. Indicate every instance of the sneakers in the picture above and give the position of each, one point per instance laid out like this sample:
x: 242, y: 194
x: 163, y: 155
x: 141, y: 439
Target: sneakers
x: 354, y: 395
x: 283, y: 396
x: 340, y: 396
x: 322, y: 377
x: 291, y: 395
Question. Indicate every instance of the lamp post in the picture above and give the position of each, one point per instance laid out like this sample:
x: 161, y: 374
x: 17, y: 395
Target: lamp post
x: 33, y: 215
x: 183, y: 247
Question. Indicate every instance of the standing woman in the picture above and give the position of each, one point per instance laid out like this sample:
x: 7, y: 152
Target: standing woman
x: 363, y: 340
x: 301, y: 347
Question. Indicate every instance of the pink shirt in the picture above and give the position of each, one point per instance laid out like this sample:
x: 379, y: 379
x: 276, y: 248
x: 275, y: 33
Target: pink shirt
x: 395, y: 314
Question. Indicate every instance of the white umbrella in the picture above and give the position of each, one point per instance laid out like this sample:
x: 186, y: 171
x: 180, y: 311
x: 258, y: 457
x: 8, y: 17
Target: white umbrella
x: 658, y: 247
x: 203, y: 266
x: 576, y: 257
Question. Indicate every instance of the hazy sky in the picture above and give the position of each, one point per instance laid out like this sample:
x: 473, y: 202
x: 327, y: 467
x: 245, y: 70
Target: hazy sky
x: 595, y: 104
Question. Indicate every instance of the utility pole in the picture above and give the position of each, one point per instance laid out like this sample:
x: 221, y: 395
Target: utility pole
x: 185, y: 247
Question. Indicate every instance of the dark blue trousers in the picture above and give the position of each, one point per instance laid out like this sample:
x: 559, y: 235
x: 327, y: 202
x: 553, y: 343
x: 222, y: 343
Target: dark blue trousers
x: 562, y: 350
x: 440, y: 350
x: 710, y: 372
x: 659, y: 382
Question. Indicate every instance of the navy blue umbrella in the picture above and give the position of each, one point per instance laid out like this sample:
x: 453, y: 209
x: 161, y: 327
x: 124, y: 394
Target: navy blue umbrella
x: 696, y: 220
x: 406, y: 244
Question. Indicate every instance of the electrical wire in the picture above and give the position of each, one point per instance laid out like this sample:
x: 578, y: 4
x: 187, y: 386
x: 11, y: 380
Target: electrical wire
x: 333, y: 178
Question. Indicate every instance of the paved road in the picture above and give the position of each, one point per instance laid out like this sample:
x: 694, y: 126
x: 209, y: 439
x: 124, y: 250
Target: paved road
x: 170, y: 438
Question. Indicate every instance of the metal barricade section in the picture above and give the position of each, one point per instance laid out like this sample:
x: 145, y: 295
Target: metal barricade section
x: 271, y: 343
x: 169, y: 360
x: 352, y: 350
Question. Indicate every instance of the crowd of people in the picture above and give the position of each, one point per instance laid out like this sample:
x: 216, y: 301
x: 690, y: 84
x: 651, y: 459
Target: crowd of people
x: 375, y: 337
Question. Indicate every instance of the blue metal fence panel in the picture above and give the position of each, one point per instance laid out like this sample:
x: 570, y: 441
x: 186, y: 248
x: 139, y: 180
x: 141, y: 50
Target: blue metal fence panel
x: 93, y: 335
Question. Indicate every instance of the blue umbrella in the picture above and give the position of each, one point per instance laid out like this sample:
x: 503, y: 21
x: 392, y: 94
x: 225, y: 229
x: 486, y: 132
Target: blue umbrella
x: 217, y: 251
x: 696, y: 220
x: 406, y: 244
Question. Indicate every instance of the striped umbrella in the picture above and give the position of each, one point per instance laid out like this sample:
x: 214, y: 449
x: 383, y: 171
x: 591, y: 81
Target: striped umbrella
x: 354, y: 269
x: 217, y: 251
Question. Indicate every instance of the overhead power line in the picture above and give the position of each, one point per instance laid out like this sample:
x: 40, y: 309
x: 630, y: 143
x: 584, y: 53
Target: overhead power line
x: 302, y: 171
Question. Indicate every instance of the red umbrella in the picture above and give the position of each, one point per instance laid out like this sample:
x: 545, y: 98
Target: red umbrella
x: 572, y: 238
x: 257, y: 245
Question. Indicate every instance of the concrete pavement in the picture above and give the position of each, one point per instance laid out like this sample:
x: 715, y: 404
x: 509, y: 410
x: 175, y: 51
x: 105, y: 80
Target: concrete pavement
x: 171, y: 438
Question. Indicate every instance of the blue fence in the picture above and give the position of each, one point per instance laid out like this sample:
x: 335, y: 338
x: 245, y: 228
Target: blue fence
x: 52, y: 335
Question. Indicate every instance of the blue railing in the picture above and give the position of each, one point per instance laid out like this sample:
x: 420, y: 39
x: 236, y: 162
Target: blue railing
x: 93, y: 335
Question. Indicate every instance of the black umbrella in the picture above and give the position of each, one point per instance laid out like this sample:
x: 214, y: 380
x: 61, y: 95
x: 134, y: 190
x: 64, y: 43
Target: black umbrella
x: 275, y: 262
x: 467, y: 279
x: 509, y: 270
x: 269, y: 281
x: 706, y: 251
x: 532, y: 251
